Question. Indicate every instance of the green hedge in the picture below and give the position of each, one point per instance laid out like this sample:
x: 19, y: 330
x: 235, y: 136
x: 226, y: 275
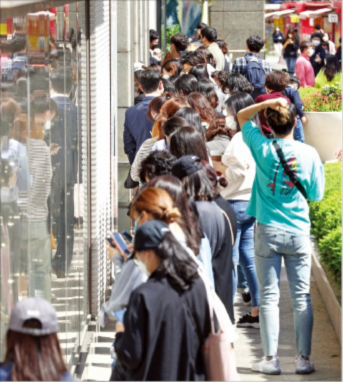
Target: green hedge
x: 326, y: 220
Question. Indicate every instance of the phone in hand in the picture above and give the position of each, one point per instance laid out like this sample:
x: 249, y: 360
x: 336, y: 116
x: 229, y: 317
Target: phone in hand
x: 118, y: 242
x: 126, y: 236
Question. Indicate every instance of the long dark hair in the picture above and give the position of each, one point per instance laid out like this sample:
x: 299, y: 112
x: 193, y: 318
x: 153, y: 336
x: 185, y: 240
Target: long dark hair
x: 34, y: 358
x: 207, y: 89
x: 332, y: 67
x: 188, y: 141
x: 192, y: 116
x: 190, y: 223
x: 176, y: 263
x: 239, y: 101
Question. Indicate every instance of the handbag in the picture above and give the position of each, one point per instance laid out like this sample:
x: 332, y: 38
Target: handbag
x: 129, y: 182
x: 218, y: 353
x: 288, y: 170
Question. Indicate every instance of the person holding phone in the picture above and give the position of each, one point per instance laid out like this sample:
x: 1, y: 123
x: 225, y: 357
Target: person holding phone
x: 290, y: 49
x: 165, y: 313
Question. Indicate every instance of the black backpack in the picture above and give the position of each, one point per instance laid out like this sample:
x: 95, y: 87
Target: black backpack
x: 256, y: 75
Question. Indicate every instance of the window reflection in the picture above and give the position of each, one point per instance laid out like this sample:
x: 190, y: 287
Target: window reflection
x: 41, y: 162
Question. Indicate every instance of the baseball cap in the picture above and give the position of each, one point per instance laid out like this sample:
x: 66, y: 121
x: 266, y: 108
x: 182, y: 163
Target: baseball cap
x: 149, y: 235
x: 34, y: 308
x: 186, y: 165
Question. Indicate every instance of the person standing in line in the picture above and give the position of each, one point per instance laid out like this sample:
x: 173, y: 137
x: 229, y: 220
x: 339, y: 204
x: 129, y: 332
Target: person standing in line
x: 279, y: 204
x: 33, y: 351
x: 303, y: 67
x: 165, y: 313
x: 291, y: 92
x: 197, y: 38
x: 208, y: 39
x: 137, y: 127
x: 179, y: 43
x: 238, y: 167
x: 252, y: 67
x: 278, y: 40
x: 154, y: 41
x: 290, y: 48
x: 332, y: 48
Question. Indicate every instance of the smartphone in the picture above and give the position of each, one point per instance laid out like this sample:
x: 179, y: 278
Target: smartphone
x: 126, y: 236
x: 119, y: 243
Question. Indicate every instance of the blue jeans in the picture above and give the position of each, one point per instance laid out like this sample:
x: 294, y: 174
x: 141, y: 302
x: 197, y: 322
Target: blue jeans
x: 243, y: 250
x: 241, y: 279
x: 290, y: 65
x: 299, y: 131
x: 270, y: 246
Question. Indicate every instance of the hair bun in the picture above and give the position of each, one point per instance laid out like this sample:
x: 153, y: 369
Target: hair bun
x: 172, y: 214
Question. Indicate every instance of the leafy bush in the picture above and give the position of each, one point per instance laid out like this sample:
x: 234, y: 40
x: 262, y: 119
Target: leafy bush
x: 326, y: 220
x: 327, y: 99
x: 170, y: 33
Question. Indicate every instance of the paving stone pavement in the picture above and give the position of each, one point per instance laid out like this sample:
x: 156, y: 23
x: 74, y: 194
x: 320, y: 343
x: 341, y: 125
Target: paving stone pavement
x: 326, y: 350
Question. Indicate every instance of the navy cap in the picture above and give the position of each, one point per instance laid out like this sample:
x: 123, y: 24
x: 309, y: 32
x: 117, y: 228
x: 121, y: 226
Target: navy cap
x: 186, y: 165
x: 150, y: 235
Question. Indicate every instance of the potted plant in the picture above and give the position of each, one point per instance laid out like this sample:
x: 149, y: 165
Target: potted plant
x: 323, y: 110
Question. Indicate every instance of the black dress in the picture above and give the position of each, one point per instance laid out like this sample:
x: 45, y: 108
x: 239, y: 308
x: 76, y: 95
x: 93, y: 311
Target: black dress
x: 161, y: 342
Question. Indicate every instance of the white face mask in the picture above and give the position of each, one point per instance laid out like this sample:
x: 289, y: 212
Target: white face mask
x: 289, y: 36
x: 231, y: 123
x: 142, y: 267
x: 310, y: 52
x: 326, y: 38
x: 166, y: 76
x: 277, y: 30
x: 316, y: 42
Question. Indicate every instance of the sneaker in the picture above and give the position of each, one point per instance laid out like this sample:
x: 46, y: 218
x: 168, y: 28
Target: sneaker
x: 304, y: 365
x: 248, y: 321
x: 265, y: 366
x: 246, y: 298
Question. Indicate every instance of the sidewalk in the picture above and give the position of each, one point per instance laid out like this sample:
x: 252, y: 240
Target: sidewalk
x: 274, y: 62
x: 326, y: 350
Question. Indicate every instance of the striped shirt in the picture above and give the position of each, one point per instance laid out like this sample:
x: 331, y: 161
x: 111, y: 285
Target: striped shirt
x: 36, y: 208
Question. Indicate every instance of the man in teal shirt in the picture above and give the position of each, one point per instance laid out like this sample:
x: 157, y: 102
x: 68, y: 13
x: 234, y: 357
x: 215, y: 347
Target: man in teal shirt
x: 283, y: 226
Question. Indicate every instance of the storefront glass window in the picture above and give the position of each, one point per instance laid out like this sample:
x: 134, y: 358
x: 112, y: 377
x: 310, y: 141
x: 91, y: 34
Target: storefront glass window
x: 43, y: 147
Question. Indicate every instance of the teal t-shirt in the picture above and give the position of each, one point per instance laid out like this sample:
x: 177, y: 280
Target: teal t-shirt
x: 275, y: 201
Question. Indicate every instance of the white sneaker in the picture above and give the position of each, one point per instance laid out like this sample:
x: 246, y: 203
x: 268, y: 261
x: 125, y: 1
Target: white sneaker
x: 304, y: 365
x: 271, y: 367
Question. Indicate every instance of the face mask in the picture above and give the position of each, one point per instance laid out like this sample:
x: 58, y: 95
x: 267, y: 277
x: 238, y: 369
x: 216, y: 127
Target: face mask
x: 136, y: 222
x: 142, y: 267
x: 311, y: 52
x: 326, y: 39
x: 166, y: 76
x: 277, y: 29
x: 316, y: 42
x: 231, y: 123
x: 289, y: 36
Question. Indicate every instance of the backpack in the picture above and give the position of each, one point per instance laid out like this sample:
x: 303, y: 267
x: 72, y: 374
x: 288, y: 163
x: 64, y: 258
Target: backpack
x: 255, y: 74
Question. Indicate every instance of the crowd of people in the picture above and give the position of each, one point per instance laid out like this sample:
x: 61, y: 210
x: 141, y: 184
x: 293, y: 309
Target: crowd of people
x: 316, y: 62
x: 220, y: 176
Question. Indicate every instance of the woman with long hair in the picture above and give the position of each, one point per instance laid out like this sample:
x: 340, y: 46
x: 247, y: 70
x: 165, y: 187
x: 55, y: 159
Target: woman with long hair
x: 33, y: 351
x: 218, y: 135
x: 279, y: 204
x: 197, y: 241
x: 190, y: 170
x: 165, y: 313
x: 238, y: 167
x: 330, y: 73
x: 188, y: 141
x: 171, y: 68
x: 207, y: 89
x: 235, y: 82
x: 290, y: 49
x: 192, y: 116
x: 200, y: 103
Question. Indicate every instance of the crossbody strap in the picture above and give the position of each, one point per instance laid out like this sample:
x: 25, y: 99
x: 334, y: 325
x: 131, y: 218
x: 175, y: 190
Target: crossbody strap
x: 231, y: 230
x: 288, y: 169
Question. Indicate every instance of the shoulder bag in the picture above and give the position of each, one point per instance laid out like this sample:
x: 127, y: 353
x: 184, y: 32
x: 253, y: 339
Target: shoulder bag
x: 288, y: 169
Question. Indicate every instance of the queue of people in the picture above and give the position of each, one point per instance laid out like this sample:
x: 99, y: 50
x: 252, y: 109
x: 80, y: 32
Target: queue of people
x: 220, y: 176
